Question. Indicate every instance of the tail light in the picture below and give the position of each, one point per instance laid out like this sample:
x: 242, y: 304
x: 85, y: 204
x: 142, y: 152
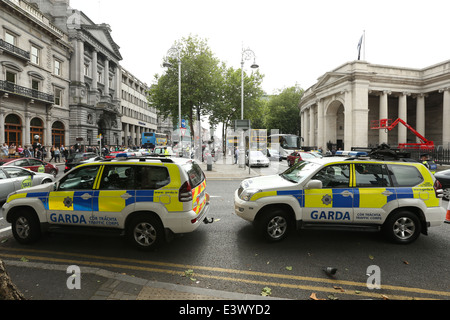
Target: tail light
x: 185, y: 193
x: 438, y: 189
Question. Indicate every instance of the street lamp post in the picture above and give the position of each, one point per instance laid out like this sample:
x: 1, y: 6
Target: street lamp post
x: 247, y: 54
x: 175, y: 52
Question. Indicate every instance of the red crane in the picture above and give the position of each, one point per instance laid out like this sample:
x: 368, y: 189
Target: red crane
x: 387, y: 124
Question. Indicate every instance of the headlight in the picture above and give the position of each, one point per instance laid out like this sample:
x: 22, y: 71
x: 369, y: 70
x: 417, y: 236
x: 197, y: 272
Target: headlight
x: 247, y: 194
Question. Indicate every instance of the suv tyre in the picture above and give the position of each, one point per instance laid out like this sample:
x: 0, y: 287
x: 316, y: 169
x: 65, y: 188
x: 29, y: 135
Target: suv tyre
x: 402, y: 227
x: 145, y: 232
x: 25, y: 227
x: 274, y: 225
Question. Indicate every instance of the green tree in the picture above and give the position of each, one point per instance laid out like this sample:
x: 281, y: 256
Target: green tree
x: 282, y: 113
x: 200, y: 80
x: 228, y: 107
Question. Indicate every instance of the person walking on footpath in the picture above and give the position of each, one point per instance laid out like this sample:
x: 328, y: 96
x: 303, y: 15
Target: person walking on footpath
x: 57, y: 155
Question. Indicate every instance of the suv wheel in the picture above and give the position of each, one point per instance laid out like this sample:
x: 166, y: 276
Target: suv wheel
x: 25, y: 227
x: 274, y: 225
x: 145, y: 232
x: 403, y: 227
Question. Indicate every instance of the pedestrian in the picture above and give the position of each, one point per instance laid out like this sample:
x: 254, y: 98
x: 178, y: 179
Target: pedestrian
x: 57, y: 155
x: 236, y: 154
x: 52, y: 153
x: 5, y: 150
x: 43, y: 153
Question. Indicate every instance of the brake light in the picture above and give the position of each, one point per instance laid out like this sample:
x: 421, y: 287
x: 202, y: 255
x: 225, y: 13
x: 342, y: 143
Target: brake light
x: 438, y: 189
x: 185, y: 193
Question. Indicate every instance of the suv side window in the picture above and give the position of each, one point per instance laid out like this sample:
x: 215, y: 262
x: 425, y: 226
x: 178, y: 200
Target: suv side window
x: 151, y: 177
x: 371, y: 175
x: 406, y: 176
x: 79, y: 179
x: 117, y: 178
x: 334, y: 176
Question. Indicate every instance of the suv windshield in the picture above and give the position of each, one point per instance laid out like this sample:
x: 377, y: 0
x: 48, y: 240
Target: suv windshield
x: 194, y: 173
x: 299, y: 172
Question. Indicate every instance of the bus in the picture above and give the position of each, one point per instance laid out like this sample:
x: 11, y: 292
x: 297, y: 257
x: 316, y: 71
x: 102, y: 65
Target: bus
x: 152, y: 139
x: 284, y: 143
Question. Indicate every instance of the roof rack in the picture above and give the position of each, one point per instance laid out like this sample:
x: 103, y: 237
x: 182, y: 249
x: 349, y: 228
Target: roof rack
x: 385, y: 152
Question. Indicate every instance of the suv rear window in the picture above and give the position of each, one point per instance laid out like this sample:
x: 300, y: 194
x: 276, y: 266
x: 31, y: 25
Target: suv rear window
x: 194, y: 173
x: 406, y: 176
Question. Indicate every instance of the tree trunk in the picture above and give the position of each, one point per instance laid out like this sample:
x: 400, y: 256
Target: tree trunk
x: 8, y: 291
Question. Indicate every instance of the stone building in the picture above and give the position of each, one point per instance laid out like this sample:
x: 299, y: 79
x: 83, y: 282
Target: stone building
x: 95, y: 75
x: 34, y: 78
x: 342, y: 106
x: 137, y: 115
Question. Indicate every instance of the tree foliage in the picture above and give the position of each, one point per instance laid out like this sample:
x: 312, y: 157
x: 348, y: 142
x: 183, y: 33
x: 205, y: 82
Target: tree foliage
x: 282, y: 113
x: 200, y: 78
x: 208, y: 87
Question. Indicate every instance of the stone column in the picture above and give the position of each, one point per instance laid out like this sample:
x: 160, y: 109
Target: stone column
x: 383, y: 136
x: 106, y: 77
x: 94, y: 70
x: 348, y: 120
x: 312, y: 126
x: 446, y: 119
x: 402, y: 107
x: 307, y: 123
x: 420, y: 116
x: 320, y: 126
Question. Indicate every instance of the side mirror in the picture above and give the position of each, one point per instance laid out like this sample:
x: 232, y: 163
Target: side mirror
x: 314, y: 184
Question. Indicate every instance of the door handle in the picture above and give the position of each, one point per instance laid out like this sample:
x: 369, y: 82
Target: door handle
x: 387, y: 193
x: 126, y: 196
x: 347, y: 193
x: 86, y: 196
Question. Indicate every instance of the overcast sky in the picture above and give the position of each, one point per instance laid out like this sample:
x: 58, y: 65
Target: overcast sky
x: 295, y: 41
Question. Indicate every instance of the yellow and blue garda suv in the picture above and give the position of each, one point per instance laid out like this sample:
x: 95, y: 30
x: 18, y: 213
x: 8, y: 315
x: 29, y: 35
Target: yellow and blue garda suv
x: 402, y: 199
x: 146, y: 198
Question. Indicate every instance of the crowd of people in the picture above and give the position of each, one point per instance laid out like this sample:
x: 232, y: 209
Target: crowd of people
x: 38, y: 151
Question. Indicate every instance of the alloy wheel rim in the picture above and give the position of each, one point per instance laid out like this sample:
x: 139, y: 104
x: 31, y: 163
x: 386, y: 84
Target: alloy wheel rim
x: 145, y: 234
x: 404, y: 228
x: 22, y: 228
x: 276, y: 227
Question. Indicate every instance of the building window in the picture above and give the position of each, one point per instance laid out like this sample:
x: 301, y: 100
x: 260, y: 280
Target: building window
x: 99, y: 77
x: 57, y: 70
x: 10, y: 38
x: 35, y: 84
x: 58, y: 96
x: 11, y: 76
x: 86, y: 70
x: 35, y: 55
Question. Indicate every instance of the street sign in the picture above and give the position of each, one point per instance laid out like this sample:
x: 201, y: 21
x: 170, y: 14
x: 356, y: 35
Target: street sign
x: 182, y: 131
x: 241, y: 125
x: 183, y: 123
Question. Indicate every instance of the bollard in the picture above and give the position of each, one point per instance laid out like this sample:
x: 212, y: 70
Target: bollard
x: 209, y: 162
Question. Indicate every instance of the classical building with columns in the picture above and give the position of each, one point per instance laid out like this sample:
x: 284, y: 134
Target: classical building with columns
x: 34, y: 78
x: 341, y: 107
x: 95, y: 75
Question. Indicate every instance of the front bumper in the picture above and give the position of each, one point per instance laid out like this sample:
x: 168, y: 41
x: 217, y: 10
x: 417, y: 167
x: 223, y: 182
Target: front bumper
x: 245, y: 209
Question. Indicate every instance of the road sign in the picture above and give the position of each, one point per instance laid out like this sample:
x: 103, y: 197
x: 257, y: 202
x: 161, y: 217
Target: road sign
x: 241, y: 125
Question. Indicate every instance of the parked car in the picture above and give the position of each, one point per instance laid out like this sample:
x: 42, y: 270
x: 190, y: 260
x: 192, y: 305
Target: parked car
x: 297, y: 156
x: 401, y: 199
x: 146, y: 200
x: 74, y: 159
x: 15, y: 178
x: 256, y: 159
x: 444, y: 179
x: 32, y: 164
x: 273, y: 154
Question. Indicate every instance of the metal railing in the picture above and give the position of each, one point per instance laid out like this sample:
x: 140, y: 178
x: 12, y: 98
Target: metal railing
x: 13, y: 49
x: 27, y: 92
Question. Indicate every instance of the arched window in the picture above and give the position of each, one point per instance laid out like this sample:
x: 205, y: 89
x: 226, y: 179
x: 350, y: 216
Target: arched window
x: 58, y: 134
x: 13, y: 130
x: 37, y: 130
